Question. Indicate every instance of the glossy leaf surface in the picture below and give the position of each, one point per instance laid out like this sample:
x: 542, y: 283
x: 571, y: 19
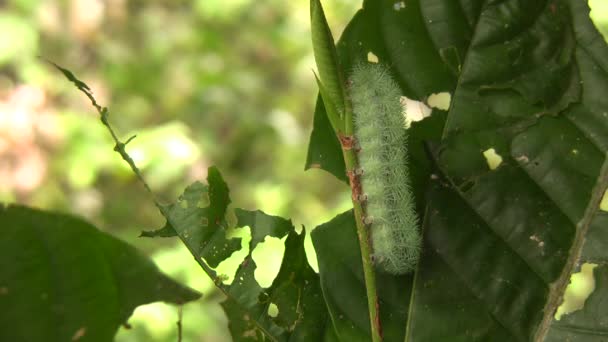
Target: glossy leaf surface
x: 528, y: 81
x: 199, y: 219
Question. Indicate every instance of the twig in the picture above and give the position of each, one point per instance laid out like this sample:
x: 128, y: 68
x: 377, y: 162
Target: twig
x: 180, y: 314
x: 119, y: 146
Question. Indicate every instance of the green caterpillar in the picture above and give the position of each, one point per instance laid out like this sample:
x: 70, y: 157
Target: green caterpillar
x: 382, y: 137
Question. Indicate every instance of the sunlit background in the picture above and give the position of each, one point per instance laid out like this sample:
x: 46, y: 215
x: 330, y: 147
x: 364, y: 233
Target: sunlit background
x: 207, y: 82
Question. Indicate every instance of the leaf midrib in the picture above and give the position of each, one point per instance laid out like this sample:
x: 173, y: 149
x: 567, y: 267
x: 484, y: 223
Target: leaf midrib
x: 557, y: 290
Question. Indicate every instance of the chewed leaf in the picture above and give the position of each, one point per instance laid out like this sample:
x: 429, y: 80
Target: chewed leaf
x: 166, y: 231
x: 202, y: 228
x: 294, y: 296
x: 263, y: 225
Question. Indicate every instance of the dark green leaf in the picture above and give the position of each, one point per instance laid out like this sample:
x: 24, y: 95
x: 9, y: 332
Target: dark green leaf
x: 501, y: 244
x: 64, y: 280
x: 242, y: 326
x: 166, y: 231
x: 203, y: 229
x: 326, y: 57
x: 297, y: 294
x: 343, y: 287
x: 262, y: 225
x: 295, y: 291
x: 324, y: 150
x: 332, y: 112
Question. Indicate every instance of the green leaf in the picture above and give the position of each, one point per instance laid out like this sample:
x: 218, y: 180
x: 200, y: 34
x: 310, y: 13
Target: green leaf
x: 295, y: 291
x: 341, y: 275
x: 399, y: 39
x: 502, y: 243
x: 241, y: 325
x: 203, y: 229
x: 324, y: 150
x: 332, y: 112
x: 64, y: 280
x: 326, y: 56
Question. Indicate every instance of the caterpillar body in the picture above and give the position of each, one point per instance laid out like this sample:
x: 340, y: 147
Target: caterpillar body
x: 382, y: 137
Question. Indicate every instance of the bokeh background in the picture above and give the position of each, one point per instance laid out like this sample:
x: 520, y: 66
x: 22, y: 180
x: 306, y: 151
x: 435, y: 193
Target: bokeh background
x: 201, y: 82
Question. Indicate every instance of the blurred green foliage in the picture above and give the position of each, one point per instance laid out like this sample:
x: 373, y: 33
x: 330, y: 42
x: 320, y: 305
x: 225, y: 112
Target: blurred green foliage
x: 204, y: 82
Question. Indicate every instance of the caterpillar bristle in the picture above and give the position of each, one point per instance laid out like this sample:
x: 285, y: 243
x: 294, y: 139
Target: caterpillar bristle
x: 382, y: 138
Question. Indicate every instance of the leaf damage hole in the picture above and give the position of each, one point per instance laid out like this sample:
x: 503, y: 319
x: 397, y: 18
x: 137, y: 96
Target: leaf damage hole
x: 311, y: 254
x: 492, y: 158
x: 582, y: 285
x: 598, y: 8
x: 268, y: 256
x: 158, y: 317
x: 414, y: 110
x: 399, y: 5
x: 372, y: 58
x: 440, y: 101
x: 228, y: 267
x: 604, y: 202
x: 273, y: 310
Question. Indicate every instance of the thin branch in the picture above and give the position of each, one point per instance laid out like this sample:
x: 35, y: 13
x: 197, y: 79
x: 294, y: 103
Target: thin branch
x: 119, y: 146
x: 180, y: 315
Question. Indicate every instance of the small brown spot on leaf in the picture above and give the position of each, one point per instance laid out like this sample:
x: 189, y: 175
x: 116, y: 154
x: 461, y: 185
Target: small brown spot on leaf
x: 79, y: 334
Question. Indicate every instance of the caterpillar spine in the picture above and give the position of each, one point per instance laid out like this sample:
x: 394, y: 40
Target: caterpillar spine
x: 382, y: 137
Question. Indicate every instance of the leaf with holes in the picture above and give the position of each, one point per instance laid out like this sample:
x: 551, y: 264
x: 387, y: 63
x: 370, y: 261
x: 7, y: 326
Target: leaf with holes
x: 199, y: 219
x: 513, y: 210
x: 64, y: 280
x: 506, y: 229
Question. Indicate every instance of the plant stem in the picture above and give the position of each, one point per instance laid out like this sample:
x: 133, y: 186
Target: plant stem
x: 350, y: 160
x: 180, y: 315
